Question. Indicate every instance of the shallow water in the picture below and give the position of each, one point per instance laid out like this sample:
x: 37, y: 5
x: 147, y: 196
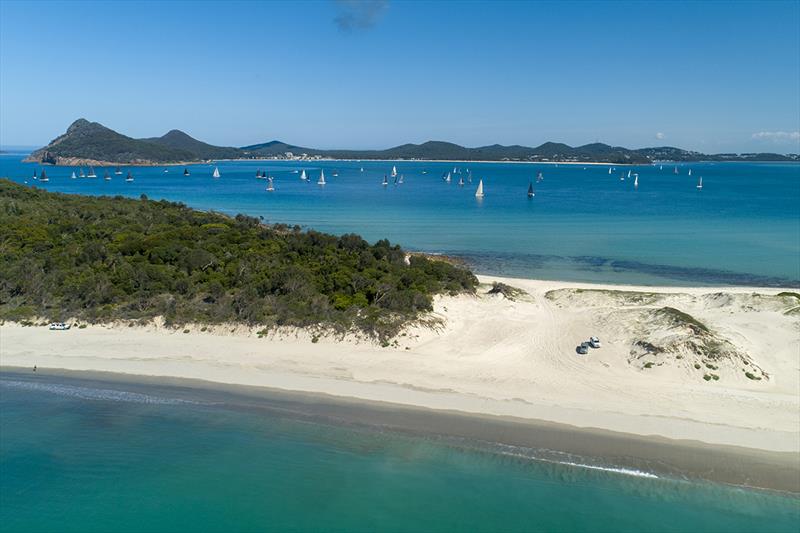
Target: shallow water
x: 81, y: 455
x: 743, y: 228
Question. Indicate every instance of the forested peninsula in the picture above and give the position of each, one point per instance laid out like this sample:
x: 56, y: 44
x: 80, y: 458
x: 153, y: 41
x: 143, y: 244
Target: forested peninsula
x: 100, y: 259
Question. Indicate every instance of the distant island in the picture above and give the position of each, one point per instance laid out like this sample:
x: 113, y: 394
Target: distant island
x: 91, y: 143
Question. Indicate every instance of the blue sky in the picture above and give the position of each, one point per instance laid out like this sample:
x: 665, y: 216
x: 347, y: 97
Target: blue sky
x: 714, y: 77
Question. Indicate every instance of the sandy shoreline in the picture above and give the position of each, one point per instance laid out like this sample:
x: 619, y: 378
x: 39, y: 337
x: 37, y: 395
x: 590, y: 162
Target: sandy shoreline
x: 504, y: 358
x: 520, y: 438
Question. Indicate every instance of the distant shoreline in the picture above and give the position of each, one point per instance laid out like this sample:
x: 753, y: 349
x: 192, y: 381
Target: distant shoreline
x: 300, y: 162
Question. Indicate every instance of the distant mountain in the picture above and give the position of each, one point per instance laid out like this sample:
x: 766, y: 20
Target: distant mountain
x: 92, y: 143
x: 179, y: 140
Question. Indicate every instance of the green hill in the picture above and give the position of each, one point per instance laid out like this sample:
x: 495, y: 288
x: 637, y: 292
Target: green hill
x: 93, y: 142
x: 179, y: 140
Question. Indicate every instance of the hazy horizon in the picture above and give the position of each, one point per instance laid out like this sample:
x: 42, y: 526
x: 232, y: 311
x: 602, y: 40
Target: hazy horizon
x: 372, y: 75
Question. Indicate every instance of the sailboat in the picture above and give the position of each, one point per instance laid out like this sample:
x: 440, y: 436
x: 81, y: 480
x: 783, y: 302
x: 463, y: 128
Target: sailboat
x: 676, y: 170
x: 362, y: 169
x: 539, y: 177
x: 479, y: 191
x: 469, y: 177
x: 448, y: 179
x: 82, y: 173
x: 270, y: 187
x: 216, y: 172
x: 609, y: 170
x: 636, y: 181
x: 185, y: 171
x: 394, y: 171
x: 129, y: 177
x: 303, y: 176
x: 321, y: 180
x: 661, y: 167
x: 91, y: 173
x: 622, y: 177
x: 118, y: 172
x: 73, y: 175
x: 400, y: 181
x: 385, y: 181
x: 629, y: 174
x: 258, y: 174
x: 166, y: 171
x: 424, y: 171
x: 531, y: 194
x: 700, y: 183
x: 460, y: 182
x: 690, y: 171
x: 34, y: 174
x: 335, y: 174
x: 107, y: 176
x: 44, y: 177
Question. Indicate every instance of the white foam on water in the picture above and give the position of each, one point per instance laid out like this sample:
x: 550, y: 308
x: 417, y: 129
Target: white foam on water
x: 625, y: 471
x: 88, y: 393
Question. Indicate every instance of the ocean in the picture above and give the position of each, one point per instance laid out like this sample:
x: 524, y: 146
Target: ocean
x: 583, y: 224
x: 87, y: 455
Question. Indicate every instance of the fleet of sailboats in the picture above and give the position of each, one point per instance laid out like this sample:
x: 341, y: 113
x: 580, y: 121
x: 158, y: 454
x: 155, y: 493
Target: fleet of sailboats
x: 398, y: 178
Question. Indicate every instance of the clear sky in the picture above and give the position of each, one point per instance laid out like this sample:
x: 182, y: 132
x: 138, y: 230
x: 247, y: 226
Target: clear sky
x: 714, y: 76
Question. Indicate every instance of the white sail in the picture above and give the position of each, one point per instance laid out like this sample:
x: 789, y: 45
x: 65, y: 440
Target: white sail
x: 661, y: 167
x: 460, y: 182
x: 216, y: 172
x: 73, y: 175
x: 270, y: 187
x: 609, y: 170
x: 479, y: 192
x: 448, y: 178
x: 629, y: 174
x: 91, y: 173
x: 394, y: 171
x: 303, y: 175
x: 700, y: 183
x: 636, y: 181
x: 690, y: 171
x: 400, y: 180
x: 321, y: 180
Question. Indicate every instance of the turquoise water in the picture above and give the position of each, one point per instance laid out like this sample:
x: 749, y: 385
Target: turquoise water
x: 82, y: 455
x: 583, y: 224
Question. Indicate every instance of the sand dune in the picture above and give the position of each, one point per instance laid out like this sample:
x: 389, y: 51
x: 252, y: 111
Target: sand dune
x: 720, y: 366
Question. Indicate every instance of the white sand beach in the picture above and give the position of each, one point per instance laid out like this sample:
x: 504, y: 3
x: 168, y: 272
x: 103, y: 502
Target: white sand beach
x: 497, y: 356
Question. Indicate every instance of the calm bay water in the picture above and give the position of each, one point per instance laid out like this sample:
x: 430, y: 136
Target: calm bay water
x: 82, y: 455
x: 582, y: 225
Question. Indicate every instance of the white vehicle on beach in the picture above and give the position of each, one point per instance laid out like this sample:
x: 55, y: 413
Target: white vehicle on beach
x: 594, y: 342
x: 59, y: 326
